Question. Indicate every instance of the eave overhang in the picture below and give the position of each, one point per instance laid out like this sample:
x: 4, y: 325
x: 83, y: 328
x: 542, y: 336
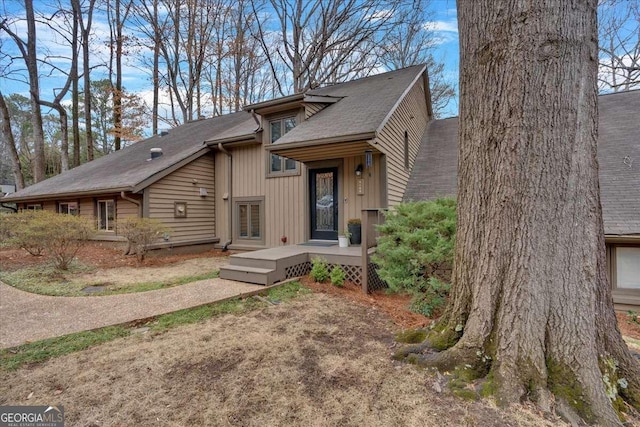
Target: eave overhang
x: 275, y: 105
x: 252, y: 138
x: 67, y: 195
x: 327, y: 148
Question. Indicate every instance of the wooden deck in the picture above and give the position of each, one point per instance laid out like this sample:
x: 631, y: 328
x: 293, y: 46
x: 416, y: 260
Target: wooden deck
x: 269, y: 266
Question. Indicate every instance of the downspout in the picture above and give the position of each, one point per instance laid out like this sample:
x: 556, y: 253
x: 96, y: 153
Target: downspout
x: 225, y: 247
x: 134, y: 201
x: 257, y: 120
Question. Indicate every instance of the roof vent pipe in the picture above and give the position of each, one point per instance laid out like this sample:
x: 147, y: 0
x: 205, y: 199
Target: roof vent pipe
x: 155, y: 153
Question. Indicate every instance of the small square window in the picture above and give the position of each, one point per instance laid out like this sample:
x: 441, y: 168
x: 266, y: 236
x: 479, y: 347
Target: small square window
x: 69, y: 208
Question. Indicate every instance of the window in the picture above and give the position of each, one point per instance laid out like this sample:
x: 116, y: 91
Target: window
x: 34, y: 207
x: 106, y: 215
x: 69, y: 208
x: 277, y: 128
x: 627, y: 270
x: 250, y: 220
x: 406, y: 149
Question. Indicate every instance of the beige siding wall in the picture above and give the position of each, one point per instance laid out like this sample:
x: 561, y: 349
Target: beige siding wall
x: 86, y: 206
x: 179, y: 187
x: 284, y: 197
x: 312, y: 108
x: 411, y: 115
x: 370, y: 199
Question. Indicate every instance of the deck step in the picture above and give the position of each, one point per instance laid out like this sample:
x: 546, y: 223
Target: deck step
x: 260, y: 276
x: 244, y: 261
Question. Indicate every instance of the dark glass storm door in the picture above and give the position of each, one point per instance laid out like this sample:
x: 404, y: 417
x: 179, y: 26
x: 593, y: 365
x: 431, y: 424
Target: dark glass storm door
x: 323, y: 186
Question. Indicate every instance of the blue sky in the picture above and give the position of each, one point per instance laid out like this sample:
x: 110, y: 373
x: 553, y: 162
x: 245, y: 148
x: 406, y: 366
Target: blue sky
x: 443, y: 23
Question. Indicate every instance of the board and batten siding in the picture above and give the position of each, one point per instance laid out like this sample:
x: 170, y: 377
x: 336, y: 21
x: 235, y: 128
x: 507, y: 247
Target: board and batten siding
x: 284, y: 206
x: 184, y: 185
x: 411, y: 116
x: 354, y: 203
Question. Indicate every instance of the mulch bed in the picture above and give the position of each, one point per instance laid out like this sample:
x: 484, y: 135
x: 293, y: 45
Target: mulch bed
x: 102, y: 255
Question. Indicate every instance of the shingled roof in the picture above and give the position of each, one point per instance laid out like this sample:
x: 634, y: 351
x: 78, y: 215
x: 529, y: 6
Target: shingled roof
x: 435, y: 172
x: 363, y: 106
x: 126, y: 169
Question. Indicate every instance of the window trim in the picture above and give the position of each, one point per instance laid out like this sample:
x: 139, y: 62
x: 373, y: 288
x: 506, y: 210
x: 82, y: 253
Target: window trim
x: 614, y: 270
x: 257, y: 200
x: 283, y: 160
x: 60, y: 204
x: 115, y: 215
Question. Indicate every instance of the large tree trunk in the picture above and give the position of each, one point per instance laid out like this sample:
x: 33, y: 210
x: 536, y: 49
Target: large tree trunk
x: 531, y: 304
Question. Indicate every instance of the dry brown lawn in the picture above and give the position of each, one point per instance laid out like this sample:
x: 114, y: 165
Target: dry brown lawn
x: 316, y: 361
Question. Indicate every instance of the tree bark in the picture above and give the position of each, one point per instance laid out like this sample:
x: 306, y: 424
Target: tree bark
x: 531, y: 305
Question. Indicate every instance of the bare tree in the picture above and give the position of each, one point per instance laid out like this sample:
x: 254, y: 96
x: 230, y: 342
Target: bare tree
x: 531, y: 306
x: 28, y: 51
x: 411, y: 42
x: 117, y: 17
x: 324, y: 41
x: 70, y: 37
x: 9, y: 141
x: 85, y: 33
x: 619, y: 39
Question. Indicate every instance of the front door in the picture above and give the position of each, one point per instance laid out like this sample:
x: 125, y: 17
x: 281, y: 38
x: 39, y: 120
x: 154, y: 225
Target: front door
x: 323, y: 185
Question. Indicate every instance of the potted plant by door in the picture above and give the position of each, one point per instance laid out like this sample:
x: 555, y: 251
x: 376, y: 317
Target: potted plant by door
x: 355, y: 230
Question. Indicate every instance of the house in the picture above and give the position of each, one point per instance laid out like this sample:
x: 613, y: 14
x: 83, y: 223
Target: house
x: 282, y: 172
x: 282, y: 178
x: 435, y: 175
x: 170, y: 177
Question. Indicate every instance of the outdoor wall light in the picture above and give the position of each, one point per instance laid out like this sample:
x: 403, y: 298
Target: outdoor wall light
x: 368, y: 158
x: 359, y: 170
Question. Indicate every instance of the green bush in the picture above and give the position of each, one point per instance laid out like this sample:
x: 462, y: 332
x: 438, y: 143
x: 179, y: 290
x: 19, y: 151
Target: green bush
x: 140, y: 233
x: 337, y: 276
x: 430, y: 298
x: 319, y: 270
x: 416, y: 241
x: 60, y: 235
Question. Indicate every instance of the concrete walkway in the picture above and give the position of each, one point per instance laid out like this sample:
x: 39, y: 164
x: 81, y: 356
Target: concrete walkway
x: 28, y: 317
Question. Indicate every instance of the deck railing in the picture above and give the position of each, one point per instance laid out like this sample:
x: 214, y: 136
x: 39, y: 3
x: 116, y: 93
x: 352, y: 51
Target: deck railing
x: 370, y: 219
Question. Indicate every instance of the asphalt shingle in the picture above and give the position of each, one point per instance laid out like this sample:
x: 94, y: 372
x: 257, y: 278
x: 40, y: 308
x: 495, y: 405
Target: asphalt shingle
x: 130, y: 166
x: 435, y: 170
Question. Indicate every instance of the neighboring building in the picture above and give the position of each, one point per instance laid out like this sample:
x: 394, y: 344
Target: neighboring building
x: 281, y: 172
x: 619, y: 161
